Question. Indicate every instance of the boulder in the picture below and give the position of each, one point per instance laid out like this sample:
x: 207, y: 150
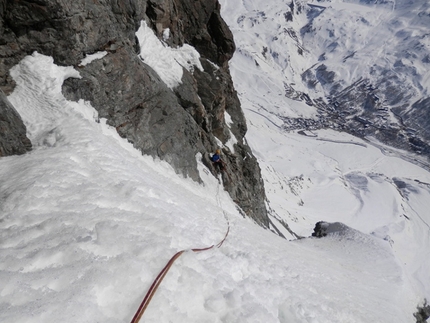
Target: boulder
x: 322, y: 229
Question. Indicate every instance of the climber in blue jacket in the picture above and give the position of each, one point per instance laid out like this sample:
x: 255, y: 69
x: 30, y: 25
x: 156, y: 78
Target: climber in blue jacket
x: 217, y: 161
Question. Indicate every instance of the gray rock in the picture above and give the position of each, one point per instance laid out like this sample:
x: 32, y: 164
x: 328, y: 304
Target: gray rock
x: 323, y: 75
x: 13, y: 139
x: 322, y: 229
x: 418, y: 117
x: 423, y: 312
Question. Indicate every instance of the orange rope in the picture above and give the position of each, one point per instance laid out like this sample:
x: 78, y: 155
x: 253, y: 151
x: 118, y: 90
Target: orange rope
x: 163, y: 273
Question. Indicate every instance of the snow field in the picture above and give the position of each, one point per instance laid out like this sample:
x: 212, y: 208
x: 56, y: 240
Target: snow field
x: 87, y: 223
x: 72, y: 195
x: 332, y: 176
x: 336, y: 177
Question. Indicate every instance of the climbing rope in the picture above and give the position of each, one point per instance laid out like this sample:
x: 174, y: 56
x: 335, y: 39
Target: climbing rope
x: 156, y: 283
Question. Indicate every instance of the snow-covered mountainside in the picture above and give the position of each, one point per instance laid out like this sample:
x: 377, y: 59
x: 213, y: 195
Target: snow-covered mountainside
x: 364, y: 65
x: 315, y: 175
x: 87, y: 222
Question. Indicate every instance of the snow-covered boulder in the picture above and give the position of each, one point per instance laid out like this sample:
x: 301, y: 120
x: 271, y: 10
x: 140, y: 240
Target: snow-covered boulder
x: 322, y: 229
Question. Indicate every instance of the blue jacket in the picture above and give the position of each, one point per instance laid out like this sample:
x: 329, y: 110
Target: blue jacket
x: 215, y: 158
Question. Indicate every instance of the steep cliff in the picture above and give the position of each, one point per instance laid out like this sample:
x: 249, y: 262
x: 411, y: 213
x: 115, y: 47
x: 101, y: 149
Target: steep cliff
x: 13, y: 140
x: 172, y: 123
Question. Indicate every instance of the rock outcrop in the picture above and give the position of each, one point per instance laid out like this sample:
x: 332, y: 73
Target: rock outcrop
x: 423, y: 313
x: 172, y: 124
x: 13, y: 139
x: 322, y: 229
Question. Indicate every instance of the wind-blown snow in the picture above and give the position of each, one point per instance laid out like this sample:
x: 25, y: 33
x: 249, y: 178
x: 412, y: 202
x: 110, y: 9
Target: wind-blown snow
x: 166, y: 61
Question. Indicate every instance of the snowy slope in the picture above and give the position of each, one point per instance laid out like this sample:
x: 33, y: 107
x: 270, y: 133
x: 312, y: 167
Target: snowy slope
x: 326, y: 175
x: 87, y: 222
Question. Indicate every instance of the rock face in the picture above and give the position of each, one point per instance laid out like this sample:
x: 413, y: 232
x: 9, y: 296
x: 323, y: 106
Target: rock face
x: 173, y: 125
x: 13, y: 139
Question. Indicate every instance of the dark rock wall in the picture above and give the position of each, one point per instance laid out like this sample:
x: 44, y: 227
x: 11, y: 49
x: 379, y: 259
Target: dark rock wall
x: 173, y: 125
x: 13, y: 139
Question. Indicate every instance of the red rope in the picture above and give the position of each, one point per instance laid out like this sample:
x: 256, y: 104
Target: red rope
x: 150, y: 293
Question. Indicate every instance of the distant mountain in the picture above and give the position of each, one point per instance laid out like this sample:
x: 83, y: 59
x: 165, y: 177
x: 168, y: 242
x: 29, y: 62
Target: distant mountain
x: 364, y: 65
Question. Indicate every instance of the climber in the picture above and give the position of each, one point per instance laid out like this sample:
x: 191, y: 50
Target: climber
x: 217, y: 161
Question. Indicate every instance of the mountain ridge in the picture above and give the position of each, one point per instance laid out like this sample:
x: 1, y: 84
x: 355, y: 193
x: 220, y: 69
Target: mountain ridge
x: 173, y: 124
